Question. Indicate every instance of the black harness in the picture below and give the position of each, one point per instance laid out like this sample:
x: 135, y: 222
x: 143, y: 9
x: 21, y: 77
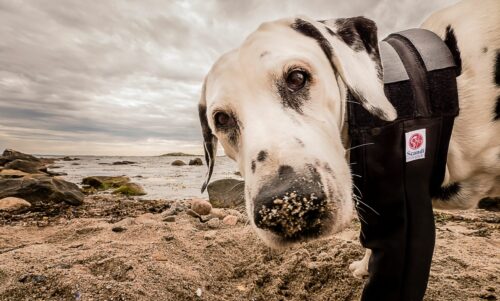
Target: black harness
x: 401, y: 164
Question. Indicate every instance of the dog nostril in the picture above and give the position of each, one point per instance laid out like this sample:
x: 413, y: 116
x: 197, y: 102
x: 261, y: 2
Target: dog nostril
x: 292, y: 214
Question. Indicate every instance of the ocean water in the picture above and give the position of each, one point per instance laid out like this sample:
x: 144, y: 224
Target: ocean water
x: 159, y: 178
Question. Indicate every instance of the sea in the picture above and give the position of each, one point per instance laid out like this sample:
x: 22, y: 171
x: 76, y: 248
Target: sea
x: 156, y: 175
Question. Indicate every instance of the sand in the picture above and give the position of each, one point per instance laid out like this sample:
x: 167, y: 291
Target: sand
x: 120, y: 249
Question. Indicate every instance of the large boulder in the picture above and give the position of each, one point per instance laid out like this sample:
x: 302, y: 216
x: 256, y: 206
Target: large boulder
x: 26, y: 166
x: 178, y: 163
x: 11, y: 155
x: 40, y: 190
x: 130, y: 189
x: 13, y: 204
x: 195, y: 161
x: 12, y: 173
x: 105, y: 182
x: 226, y: 193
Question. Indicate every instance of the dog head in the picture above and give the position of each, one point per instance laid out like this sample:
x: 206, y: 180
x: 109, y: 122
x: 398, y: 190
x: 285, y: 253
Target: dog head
x: 277, y: 105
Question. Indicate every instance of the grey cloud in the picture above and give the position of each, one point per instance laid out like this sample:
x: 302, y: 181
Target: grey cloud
x: 115, y: 76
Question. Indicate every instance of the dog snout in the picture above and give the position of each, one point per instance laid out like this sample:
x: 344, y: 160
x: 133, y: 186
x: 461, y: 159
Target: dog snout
x: 292, y: 204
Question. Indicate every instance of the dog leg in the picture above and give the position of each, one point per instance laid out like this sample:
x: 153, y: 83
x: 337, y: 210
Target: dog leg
x: 359, y: 268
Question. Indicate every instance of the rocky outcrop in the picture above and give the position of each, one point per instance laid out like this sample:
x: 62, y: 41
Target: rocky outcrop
x: 178, y: 163
x: 120, y: 184
x: 195, y: 161
x: 33, y: 167
x: 226, y: 193
x: 26, y: 177
x: 40, y: 190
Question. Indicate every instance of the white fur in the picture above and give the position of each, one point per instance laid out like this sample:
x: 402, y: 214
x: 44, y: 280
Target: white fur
x: 242, y: 81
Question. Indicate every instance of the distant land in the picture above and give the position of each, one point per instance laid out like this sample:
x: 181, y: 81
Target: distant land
x: 178, y: 154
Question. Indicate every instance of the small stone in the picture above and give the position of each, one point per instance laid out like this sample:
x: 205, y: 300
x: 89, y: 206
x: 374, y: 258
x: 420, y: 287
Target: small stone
x: 198, y: 292
x: 210, y: 235
x: 192, y: 213
x: 118, y: 229
x: 230, y: 220
x: 168, y: 237
x: 12, y: 203
x: 195, y: 161
x: 201, y: 207
x: 169, y: 219
x: 214, y: 223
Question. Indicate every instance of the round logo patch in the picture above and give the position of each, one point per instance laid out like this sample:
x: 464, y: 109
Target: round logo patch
x: 416, y: 141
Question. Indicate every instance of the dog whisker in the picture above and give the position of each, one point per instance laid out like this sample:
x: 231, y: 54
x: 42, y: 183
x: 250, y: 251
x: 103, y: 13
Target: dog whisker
x: 354, y: 147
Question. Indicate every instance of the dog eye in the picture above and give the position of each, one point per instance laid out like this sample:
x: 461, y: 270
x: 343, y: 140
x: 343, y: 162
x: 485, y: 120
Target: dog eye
x: 296, y: 80
x: 224, y: 120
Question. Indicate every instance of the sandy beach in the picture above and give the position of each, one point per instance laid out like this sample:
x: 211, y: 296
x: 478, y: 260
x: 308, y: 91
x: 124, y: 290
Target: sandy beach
x: 113, y: 248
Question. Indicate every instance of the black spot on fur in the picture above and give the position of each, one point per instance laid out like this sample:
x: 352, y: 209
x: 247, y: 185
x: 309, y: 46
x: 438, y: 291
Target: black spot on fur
x: 263, y: 54
x: 261, y: 156
x: 447, y: 192
x: 485, y: 49
x: 497, y: 69
x: 360, y: 34
x: 233, y: 132
x: 253, y: 166
x: 451, y: 41
x: 497, y: 110
x: 311, y: 31
x: 284, y: 170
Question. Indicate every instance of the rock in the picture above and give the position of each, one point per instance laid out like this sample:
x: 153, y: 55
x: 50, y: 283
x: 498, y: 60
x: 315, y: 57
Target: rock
x: 169, y: 219
x: 168, y: 237
x: 210, y: 235
x: 130, y: 189
x: 12, y: 173
x: 230, y: 220
x: 226, y: 193
x: 237, y: 173
x: 118, y: 229
x: 123, y: 162
x: 213, y: 223
x: 195, y: 161
x: 201, y: 207
x: 192, y: 213
x: 27, y: 166
x: 12, y: 204
x: 178, y: 163
x: 75, y: 163
x: 41, y: 189
x: 11, y: 155
x: 69, y: 159
x: 54, y: 174
x: 105, y: 182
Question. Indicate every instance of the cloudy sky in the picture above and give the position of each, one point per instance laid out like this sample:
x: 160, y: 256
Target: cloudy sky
x: 124, y: 77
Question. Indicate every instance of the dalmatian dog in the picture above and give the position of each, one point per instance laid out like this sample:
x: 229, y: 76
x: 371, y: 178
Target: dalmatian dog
x: 277, y: 104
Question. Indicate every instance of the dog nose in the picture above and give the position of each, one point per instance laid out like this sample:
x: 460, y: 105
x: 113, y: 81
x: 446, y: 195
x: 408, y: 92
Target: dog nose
x: 292, y: 205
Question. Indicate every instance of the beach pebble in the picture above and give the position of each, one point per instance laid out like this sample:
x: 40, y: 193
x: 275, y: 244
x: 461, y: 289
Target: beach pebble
x: 118, y: 229
x: 168, y: 237
x: 230, y: 220
x: 201, y: 207
x: 12, y: 203
x: 178, y: 163
x: 213, y: 223
x: 169, y: 219
x: 210, y: 235
x: 192, y: 213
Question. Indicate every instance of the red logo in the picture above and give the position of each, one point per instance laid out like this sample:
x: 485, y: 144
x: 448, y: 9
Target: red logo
x: 416, y: 141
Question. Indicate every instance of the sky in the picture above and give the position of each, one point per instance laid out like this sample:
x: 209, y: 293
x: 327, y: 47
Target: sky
x: 124, y: 77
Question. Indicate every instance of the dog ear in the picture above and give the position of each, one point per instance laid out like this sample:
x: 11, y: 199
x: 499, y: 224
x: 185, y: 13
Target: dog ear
x: 209, y: 139
x: 351, y: 45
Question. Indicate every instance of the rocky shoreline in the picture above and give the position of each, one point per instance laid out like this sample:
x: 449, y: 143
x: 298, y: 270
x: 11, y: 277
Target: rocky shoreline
x: 115, y: 246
